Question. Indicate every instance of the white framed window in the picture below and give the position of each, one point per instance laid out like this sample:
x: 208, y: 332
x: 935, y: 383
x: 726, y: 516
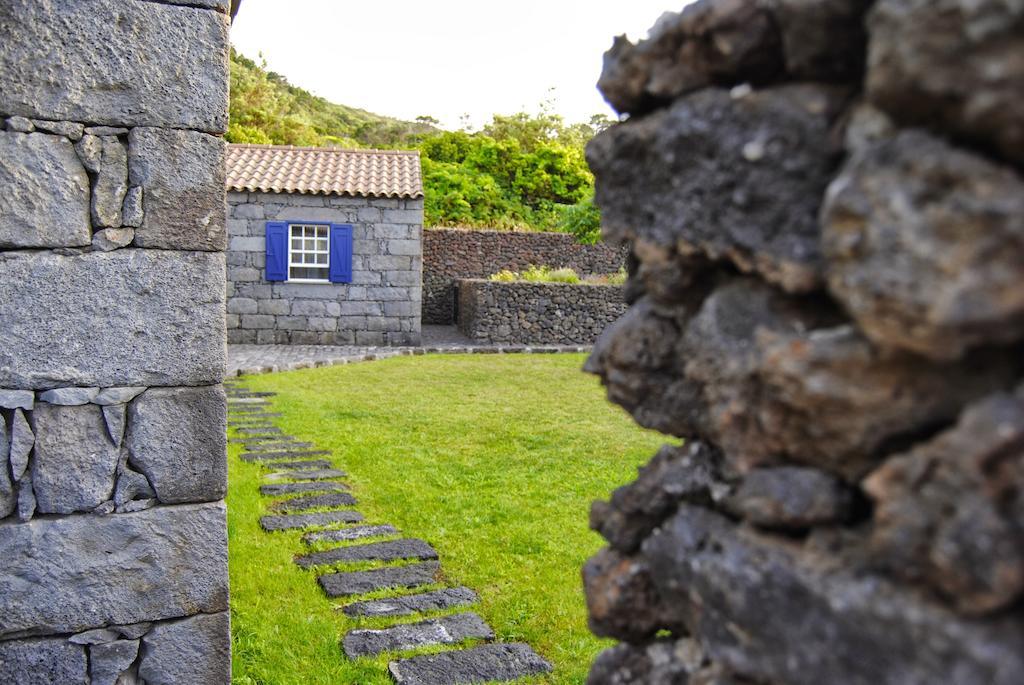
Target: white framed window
x: 309, y: 250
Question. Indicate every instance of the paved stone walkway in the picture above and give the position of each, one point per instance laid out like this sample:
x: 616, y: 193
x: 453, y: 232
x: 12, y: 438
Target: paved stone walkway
x: 315, y: 484
x: 257, y: 359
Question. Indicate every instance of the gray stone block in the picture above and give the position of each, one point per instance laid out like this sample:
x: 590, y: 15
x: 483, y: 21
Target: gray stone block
x: 96, y: 636
x: 169, y: 68
x: 348, y: 534
x: 257, y: 321
x: 294, y: 488
x: 69, y: 396
x: 65, y: 575
x: 193, y: 650
x: 112, y: 239
x: 17, y: 399
x: 389, y: 550
x: 106, y: 159
x: 182, y: 177
x: 294, y: 521
x: 334, y: 499
x: 75, y: 460
x: 22, y: 441
x: 48, y: 661
x: 324, y: 474
x: 241, y: 305
x: 169, y: 305
x: 176, y: 437
x: 275, y: 307
x: 8, y: 495
x: 361, y: 582
x: 132, y: 209
x: 404, y: 247
x: 114, y: 416
x: 403, y: 216
x: 20, y: 125
x: 308, y: 308
x: 109, y: 396
x: 108, y: 661
x: 300, y: 465
x: 68, y: 129
x: 477, y: 665
x: 406, y: 605
x: 449, y: 630
x: 26, y: 498
x: 44, y: 191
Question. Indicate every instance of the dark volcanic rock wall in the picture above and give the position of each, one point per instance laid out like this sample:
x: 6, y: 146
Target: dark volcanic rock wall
x: 528, y: 313
x: 825, y: 208
x: 450, y: 254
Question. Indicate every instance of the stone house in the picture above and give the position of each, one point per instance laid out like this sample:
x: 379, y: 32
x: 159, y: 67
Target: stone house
x: 325, y: 246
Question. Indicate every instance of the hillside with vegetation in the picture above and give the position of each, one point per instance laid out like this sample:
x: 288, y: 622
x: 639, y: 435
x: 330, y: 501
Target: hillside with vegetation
x: 521, y: 171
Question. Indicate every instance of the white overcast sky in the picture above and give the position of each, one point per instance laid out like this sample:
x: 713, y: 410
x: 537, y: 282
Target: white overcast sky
x: 445, y: 58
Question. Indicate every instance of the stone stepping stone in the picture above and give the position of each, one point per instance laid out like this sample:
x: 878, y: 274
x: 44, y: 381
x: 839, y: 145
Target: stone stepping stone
x: 390, y: 550
x: 502, y: 663
x: 322, y: 474
x: 406, y: 605
x: 257, y: 415
x: 247, y: 410
x: 294, y: 488
x: 278, y: 446
x: 348, y: 534
x: 349, y: 583
x: 248, y: 427
x: 250, y: 439
x: 247, y: 401
x: 448, y: 630
x: 259, y: 455
x: 293, y: 521
x: 260, y: 429
x: 303, y: 465
x: 333, y: 499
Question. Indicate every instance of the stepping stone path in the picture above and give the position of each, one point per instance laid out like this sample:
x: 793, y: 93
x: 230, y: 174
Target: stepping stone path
x: 314, y: 484
x: 414, y: 604
x: 392, y: 550
x: 439, y: 631
x: 349, y: 534
x: 322, y: 474
x: 293, y: 488
x: 334, y: 499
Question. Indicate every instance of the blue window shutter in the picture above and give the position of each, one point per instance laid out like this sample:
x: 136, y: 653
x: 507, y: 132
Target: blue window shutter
x: 277, y: 251
x: 341, y: 254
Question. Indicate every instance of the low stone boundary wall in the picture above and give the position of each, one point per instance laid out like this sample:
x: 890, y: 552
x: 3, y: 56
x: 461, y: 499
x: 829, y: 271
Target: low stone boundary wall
x: 537, y: 313
x: 451, y: 254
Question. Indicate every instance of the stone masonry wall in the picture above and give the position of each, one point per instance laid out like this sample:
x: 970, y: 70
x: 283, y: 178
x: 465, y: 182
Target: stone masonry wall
x: 112, y: 344
x: 380, y: 307
x: 451, y: 254
x: 537, y: 313
x: 826, y: 211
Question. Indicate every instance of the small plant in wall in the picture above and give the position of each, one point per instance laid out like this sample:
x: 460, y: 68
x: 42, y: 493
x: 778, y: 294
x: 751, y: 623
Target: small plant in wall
x: 537, y: 274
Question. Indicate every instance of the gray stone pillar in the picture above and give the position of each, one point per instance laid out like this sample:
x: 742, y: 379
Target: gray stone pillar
x: 112, y: 342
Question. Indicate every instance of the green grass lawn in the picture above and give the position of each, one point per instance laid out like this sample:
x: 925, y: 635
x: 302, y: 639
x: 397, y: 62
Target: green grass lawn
x: 492, y: 459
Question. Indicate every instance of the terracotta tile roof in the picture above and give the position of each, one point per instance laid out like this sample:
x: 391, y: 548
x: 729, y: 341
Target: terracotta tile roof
x: 324, y: 171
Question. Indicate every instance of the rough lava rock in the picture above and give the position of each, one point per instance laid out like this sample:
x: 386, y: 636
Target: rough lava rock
x: 954, y: 65
x: 791, y: 497
x: 925, y: 246
x: 43, y: 661
x: 735, y: 178
x: 950, y: 512
x: 768, y: 612
x: 733, y: 42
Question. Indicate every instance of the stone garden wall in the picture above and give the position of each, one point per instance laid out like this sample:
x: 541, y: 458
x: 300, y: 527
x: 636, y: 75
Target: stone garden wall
x: 451, y: 254
x: 380, y: 307
x: 826, y: 210
x: 537, y: 313
x: 112, y: 345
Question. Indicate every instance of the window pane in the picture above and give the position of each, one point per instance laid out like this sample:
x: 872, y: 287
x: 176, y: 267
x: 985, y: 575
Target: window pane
x: 321, y: 259
x: 321, y: 245
x: 296, y: 244
x: 321, y: 231
x: 310, y: 245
